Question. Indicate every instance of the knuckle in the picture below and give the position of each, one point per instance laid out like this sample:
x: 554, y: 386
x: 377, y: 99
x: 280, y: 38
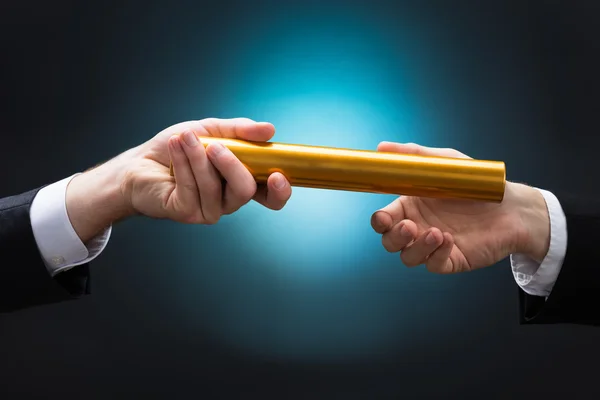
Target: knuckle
x: 225, y: 160
x: 433, y: 268
x: 408, y: 260
x: 227, y: 211
x: 189, y: 187
x: 245, y: 192
x: 396, y: 240
x: 386, y: 244
x: 234, y: 128
x: 212, y: 189
x: 212, y: 219
x: 231, y: 208
x: 192, y: 217
x: 240, y: 122
x: 431, y: 264
x: 277, y: 206
x: 208, y: 121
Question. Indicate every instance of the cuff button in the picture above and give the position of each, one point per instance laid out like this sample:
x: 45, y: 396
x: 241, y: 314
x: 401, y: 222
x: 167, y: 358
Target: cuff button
x: 57, y: 260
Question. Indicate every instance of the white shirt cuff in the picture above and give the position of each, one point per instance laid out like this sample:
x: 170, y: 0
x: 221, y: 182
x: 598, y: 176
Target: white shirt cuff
x: 58, y: 243
x: 539, y: 279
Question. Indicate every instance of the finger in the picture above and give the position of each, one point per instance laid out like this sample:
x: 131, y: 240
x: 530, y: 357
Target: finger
x: 439, y: 261
x: 276, y: 193
x: 208, y: 180
x: 418, y: 251
x: 383, y: 220
x: 412, y: 148
x: 239, y: 128
x: 186, y: 190
x: 241, y: 186
x: 400, y: 236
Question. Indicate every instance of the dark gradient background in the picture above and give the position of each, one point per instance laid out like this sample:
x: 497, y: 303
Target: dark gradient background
x: 302, y: 303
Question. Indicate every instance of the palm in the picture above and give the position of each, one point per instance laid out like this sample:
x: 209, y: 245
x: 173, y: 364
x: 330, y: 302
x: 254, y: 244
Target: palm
x: 468, y: 235
x: 202, y: 196
x: 154, y: 192
x: 475, y: 244
x: 156, y: 195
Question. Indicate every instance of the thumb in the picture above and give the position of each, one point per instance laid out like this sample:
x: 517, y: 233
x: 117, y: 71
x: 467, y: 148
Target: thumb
x: 413, y: 148
x: 239, y: 128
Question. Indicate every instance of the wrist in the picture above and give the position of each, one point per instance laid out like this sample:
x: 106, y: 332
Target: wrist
x: 534, y: 222
x: 95, y: 200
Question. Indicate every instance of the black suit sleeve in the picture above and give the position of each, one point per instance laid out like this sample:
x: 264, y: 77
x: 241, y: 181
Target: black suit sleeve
x: 575, y: 297
x: 24, y: 279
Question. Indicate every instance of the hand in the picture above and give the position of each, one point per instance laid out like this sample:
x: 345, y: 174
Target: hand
x: 451, y: 236
x: 207, y: 184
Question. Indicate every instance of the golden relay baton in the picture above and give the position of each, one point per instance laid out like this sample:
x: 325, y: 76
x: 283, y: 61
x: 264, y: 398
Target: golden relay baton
x: 370, y: 171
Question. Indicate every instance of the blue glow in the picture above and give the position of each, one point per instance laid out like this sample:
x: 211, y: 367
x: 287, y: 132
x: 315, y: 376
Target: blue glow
x: 311, y: 281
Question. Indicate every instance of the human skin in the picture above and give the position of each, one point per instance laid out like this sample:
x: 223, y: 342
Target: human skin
x: 450, y: 236
x: 208, y: 183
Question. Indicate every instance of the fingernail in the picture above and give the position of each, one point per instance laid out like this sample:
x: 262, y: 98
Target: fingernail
x: 176, y: 144
x: 190, y: 139
x: 404, y: 231
x: 278, y: 182
x: 216, y: 148
x: 430, y: 238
